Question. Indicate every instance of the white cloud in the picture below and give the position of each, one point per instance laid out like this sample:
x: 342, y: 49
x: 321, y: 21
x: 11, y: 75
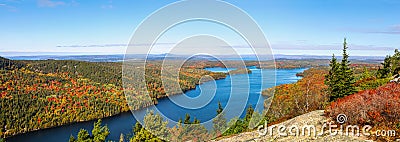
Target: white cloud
x: 394, y: 29
x: 50, y: 3
x: 109, y: 5
x: 112, y: 45
x: 327, y: 47
x: 8, y: 7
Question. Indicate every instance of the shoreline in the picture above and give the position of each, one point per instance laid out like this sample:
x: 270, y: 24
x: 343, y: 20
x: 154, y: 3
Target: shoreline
x: 129, y: 111
x: 122, y: 112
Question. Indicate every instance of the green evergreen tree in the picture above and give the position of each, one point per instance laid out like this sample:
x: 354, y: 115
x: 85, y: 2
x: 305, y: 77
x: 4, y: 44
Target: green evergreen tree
x: 99, y: 132
x: 346, y: 75
x: 219, y: 122
x: 249, y: 113
x: 332, y: 78
x: 157, y: 128
x: 236, y: 126
x: 386, y: 70
x: 121, y: 138
x: 396, y: 62
x: 256, y: 120
x: 156, y: 125
x: 137, y: 128
x: 145, y: 136
x: 220, y: 109
x: 196, y: 121
x: 391, y: 65
x: 187, y: 119
x: 180, y: 121
x: 340, y: 78
x: 72, y: 139
x: 83, y: 136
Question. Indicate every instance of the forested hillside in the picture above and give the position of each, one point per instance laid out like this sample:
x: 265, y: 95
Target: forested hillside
x: 42, y: 94
x: 9, y: 64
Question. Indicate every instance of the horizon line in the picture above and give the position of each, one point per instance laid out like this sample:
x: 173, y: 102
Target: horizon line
x: 26, y: 54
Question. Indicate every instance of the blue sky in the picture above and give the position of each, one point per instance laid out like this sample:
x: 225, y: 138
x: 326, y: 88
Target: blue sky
x: 291, y: 27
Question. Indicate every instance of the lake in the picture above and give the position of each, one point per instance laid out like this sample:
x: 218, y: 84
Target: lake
x: 206, y: 110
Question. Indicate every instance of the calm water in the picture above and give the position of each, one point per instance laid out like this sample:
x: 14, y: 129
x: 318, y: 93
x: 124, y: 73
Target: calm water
x: 202, y: 97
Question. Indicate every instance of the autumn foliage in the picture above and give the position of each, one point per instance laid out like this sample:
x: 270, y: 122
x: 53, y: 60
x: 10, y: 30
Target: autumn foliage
x: 378, y: 107
x: 290, y: 100
x: 42, y: 94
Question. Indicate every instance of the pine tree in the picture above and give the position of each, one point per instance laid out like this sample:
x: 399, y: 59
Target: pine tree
x: 391, y: 65
x: 83, y: 135
x: 180, y: 121
x: 220, y: 109
x: 332, y: 78
x: 99, y: 132
x: 143, y: 136
x: 137, y: 128
x: 154, y: 129
x: 155, y: 124
x: 396, y: 62
x: 219, y: 122
x: 72, y: 139
x: 249, y: 113
x: 340, y: 77
x: 121, y: 138
x: 346, y: 75
x: 187, y: 119
x: 196, y: 121
x: 386, y: 71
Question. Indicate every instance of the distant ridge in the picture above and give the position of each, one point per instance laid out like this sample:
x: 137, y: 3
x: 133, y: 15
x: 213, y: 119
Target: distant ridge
x: 9, y: 64
x: 120, y: 57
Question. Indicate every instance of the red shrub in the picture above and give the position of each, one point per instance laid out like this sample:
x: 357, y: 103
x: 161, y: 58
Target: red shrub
x: 374, y: 107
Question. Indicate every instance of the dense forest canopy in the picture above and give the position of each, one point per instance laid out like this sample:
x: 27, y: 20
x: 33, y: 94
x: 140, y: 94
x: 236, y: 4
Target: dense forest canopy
x: 47, y: 93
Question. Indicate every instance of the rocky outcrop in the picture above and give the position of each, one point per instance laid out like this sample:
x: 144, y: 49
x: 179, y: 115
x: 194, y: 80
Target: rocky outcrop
x: 396, y: 78
x: 315, y: 118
